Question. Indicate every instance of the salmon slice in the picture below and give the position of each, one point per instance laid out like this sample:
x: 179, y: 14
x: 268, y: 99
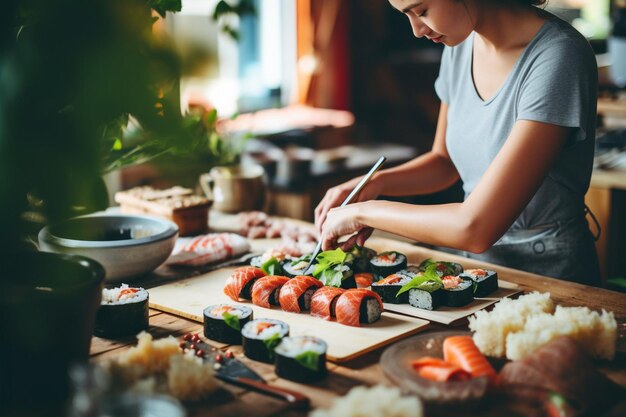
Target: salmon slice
x: 239, y: 279
x: 348, y: 308
x: 294, y: 289
x: 264, y: 287
x: 322, y: 302
x: 436, y: 369
x: 461, y: 351
x: 363, y: 279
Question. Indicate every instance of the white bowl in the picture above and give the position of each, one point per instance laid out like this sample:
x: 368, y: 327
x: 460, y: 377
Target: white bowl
x: 127, y: 246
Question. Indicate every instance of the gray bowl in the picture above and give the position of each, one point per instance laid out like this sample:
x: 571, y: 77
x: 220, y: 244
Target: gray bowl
x: 127, y: 246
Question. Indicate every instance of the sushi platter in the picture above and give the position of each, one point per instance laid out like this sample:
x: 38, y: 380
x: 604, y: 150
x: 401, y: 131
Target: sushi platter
x: 189, y: 297
x: 449, y: 315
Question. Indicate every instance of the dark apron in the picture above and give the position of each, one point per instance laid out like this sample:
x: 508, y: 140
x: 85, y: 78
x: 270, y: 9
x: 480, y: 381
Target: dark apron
x: 564, y: 250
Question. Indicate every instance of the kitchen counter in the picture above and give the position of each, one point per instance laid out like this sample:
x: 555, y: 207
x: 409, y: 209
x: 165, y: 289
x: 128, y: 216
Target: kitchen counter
x: 366, y: 369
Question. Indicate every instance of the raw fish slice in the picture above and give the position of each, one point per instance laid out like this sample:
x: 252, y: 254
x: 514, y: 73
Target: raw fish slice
x: 292, y: 290
x: 264, y: 287
x: 436, y: 369
x: 462, y: 351
x: 348, y: 307
x: 322, y: 301
x: 239, y: 279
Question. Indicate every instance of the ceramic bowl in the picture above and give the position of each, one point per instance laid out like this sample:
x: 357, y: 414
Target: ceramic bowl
x: 127, y: 246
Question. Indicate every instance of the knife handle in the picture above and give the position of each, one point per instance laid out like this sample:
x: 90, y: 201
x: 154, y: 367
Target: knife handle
x: 298, y: 400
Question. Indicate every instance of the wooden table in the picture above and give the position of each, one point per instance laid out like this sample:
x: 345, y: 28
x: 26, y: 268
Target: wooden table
x: 233, y: 401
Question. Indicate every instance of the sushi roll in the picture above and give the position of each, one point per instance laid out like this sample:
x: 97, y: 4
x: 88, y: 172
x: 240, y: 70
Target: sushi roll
x: 442, y: 268
x: 123, y: 312
x: 362, y: 257
x: 301, y: 359
x: 223, y: 322
x: 239, y: 284
x: 295, y: 296
x: 338, y: 276
x: 324, y: 302
x: 427, y: 298
x: 410, y: 271
x: 459, y: 291
x: 388, y: 287
x: 387, y: 263
x: 266, y: 290
x: 486, y: 280
x: 356, y: 306
x: 295, y: 267
x: 261, y: 336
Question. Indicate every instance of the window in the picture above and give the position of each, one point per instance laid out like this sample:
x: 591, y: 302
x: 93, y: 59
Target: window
x: 258, y: 71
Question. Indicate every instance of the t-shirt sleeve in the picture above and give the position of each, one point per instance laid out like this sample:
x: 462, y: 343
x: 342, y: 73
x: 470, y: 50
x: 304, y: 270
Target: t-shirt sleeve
x: 442, y: 83
x: 561, y: 87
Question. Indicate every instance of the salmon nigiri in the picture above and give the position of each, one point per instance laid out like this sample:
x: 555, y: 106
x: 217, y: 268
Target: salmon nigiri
x: 357, y: 306
x: 324, y: 302
x: 461, y: 351
x: 239, y: 284
x: 266, y: 290
x: 295, y: 296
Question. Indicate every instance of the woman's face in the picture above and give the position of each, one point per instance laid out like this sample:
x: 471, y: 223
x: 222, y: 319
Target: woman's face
x: 445, y: 21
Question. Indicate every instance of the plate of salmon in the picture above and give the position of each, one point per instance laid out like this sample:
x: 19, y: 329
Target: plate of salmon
x: 440, y: 367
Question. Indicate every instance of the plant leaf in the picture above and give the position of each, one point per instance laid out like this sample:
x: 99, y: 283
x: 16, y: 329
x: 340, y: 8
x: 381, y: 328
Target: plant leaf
x: 271, y: 343
x: 164, y: 6
x: 308, y: 359
x: 232, y: 321
x: 331, y: 278
x: 272, y: 267
x: 328, y: 259
x: 428, y: 281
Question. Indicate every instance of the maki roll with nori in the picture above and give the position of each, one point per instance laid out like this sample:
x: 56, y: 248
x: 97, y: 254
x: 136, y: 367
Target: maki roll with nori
x: 410, y: 271
x: 301, y: 358
x: 261, y: 336
x: 429, y: 296
x: 459, y: 292
x: 362, y: 257
x: 123, y: 312
x: 388, y: 287
x: 223, y: 322
x: 441, y: 268
x: 294, y: 267
x: 486, y: 280
x: 387, y: 263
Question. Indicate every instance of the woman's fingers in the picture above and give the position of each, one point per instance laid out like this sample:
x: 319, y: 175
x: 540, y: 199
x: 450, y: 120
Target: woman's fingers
x: 332, y: 199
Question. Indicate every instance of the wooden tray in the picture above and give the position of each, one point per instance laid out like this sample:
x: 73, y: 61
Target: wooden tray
x: 448, y: 315
x: 189, y: 297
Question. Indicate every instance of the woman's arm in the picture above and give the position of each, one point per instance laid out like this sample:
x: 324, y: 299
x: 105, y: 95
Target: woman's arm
x: 428, y: 173
x: 505, y: 189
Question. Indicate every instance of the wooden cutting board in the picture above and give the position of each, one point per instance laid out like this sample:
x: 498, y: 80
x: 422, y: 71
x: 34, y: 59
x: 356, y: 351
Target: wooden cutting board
x: 189, y: 297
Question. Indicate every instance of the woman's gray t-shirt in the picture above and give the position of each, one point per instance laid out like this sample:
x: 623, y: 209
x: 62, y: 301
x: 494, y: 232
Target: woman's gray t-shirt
x: 553, y: 81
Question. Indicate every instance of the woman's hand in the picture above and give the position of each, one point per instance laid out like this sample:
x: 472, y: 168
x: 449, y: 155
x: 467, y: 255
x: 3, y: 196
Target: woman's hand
x: 336, y: 195
x: 343, y: 221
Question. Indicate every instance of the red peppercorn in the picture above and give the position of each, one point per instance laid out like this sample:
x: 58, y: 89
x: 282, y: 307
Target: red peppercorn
x: 187, y: 336
x: 219, y: 358
x: 200, y: 353
x: 229, y: 354
x: 195, y: 338
x: 182, y: 345
x: 192, y: 347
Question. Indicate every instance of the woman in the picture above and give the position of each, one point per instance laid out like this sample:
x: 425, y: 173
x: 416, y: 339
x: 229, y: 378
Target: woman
x: 518, y: 88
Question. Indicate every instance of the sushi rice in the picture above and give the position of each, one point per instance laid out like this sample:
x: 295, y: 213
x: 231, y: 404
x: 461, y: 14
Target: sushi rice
x: 123, y: 295
x: 277, y: 327
x: 294, y: 346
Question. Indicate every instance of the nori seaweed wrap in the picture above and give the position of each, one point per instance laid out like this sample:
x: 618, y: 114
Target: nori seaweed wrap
x: 486, y: 280
x: 301, y: 359
x: 387, y: 263
x: 223, y: 322
x: 123, y: 312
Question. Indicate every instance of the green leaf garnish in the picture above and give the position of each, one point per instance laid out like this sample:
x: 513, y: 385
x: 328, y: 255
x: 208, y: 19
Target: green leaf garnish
x: 427, y: 281
x: 450, y: 267
x: 272, y: 267
x: 331, y: 278
x: 308, y: 359
x: 619, y: 282
x: 271, y: 343
x: 232, y: 321
x: 328, y: 259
